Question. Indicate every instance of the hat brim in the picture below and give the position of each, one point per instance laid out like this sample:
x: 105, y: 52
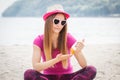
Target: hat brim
x: 46, y: 15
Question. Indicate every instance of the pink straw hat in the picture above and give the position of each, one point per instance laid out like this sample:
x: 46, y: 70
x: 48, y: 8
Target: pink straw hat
x: 53, y: 10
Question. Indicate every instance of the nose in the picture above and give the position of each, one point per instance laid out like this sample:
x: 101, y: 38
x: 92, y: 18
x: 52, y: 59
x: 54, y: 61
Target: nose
x: 59, y: 24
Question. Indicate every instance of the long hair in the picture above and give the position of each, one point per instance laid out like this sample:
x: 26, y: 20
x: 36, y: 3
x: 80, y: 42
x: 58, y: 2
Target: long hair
x: 62, y: 39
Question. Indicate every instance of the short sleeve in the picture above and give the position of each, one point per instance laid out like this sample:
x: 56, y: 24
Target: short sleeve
x: 70, y: 40
x: 38, y: 41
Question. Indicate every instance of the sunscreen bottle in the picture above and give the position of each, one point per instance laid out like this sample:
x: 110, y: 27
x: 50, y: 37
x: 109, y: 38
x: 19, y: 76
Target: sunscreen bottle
x: 73, y: 48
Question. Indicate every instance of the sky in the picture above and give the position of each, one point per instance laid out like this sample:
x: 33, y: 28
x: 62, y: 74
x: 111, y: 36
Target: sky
x: 5, y: 4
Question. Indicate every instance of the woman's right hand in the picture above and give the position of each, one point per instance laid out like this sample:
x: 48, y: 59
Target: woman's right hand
x: 61, y: 57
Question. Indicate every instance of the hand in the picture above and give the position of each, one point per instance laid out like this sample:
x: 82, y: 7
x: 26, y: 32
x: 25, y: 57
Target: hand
x: 61, y: 57
x: 79, y: 46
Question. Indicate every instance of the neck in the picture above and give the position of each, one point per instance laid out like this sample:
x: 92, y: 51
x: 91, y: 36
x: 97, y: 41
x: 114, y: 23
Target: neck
x: 55, y: 40
x: 55, y: 36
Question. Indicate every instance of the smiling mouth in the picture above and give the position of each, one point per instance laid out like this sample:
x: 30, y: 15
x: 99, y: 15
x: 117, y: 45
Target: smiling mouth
x: 57, y: 28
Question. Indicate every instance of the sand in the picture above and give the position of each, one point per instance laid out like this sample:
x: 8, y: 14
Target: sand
x: 15, y: 59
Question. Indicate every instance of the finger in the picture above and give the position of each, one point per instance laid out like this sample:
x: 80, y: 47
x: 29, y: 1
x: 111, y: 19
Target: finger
x: 60, y: 54
x: 80, y: 44
x: 83, y: 40
x: 70, y: 55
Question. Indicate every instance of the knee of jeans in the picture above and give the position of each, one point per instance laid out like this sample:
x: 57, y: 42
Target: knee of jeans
x: 28, y: 73
x: 92, y: 69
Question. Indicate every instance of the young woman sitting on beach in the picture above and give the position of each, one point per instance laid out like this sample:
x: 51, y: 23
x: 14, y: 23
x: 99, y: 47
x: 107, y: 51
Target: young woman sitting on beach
x: 54, y: 48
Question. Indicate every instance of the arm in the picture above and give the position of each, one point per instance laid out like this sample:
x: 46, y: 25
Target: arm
x: 79, y: 55
x: 81, y: 59
x: 36, y: 59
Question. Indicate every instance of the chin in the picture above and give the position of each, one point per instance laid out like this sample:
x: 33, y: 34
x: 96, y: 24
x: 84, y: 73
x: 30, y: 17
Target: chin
x: 56, y: 31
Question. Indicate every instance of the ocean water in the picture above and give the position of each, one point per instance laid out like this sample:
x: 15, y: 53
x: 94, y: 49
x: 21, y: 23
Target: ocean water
x: 93, y: 30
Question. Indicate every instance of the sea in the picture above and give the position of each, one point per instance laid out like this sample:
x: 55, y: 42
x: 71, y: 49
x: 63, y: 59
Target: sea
x: 23, y: 30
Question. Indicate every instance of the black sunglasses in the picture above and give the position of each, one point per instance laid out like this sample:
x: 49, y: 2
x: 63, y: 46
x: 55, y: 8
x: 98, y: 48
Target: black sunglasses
x: 57, y: 21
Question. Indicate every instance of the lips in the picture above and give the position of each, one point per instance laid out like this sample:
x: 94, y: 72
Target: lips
x: 57, y: 28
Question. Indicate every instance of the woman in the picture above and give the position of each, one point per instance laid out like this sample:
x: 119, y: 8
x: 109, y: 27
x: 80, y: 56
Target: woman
x: 54, y: 48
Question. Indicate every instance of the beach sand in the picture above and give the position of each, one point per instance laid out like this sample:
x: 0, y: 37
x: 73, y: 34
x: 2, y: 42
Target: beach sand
x: 15, y: 59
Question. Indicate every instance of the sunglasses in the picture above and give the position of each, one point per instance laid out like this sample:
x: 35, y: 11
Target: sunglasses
x: 57, y: 21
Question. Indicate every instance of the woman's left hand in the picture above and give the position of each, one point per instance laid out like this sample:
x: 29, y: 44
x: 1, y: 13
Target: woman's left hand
x: 79, y: 46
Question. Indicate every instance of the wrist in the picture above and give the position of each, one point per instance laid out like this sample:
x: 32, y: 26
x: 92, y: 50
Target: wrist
x: 78, y: 52
x: 56, y: 59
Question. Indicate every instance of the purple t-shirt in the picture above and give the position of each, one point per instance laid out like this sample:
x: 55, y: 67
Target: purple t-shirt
x: 57, y: 69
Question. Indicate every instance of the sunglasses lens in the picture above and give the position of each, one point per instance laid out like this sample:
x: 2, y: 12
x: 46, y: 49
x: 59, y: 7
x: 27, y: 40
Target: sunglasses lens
x: 63, y: 22
x: 56, y: 21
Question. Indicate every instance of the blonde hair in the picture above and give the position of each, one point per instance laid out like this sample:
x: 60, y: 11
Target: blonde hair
x: 48, y: 40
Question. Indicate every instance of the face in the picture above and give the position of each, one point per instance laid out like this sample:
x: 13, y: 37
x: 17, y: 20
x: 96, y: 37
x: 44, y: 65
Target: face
x: 58, y: 23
